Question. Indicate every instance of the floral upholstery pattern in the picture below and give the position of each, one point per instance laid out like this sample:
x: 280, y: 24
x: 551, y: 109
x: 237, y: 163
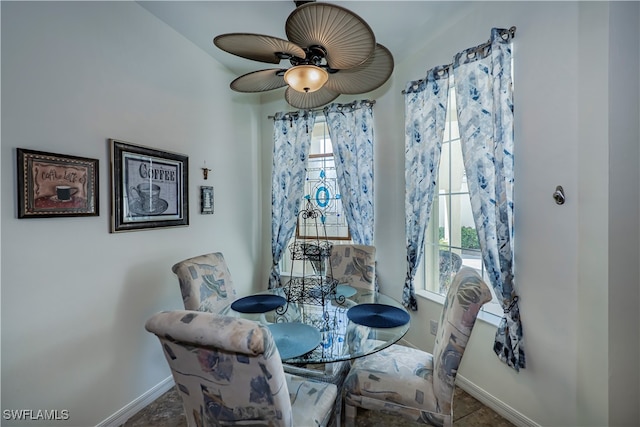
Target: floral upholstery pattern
x: 205, y: 282
x: 228, y: 372
x: 448, y: 265
x: 410, y: 382
x: 354, y: 265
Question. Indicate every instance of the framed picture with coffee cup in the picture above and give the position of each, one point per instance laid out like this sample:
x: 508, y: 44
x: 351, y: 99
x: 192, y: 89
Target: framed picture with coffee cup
x: 149, y: 187
x: 52, y: 185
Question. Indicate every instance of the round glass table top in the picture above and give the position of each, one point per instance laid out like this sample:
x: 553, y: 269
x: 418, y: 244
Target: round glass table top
x: 340, y: 337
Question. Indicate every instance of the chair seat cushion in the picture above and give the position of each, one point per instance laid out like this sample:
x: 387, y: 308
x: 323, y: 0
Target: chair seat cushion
x: 412, y: 383
x: 398, y: 374
x: 311, y: 401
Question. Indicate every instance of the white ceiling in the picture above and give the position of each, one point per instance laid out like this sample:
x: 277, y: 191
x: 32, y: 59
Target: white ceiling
x: 398, y: 25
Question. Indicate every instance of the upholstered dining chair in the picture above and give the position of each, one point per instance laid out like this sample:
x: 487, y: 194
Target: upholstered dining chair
x: 205, y: 282
x: 412, y: 383
x: 228, y: 372
x: 449, y: 264
x: 354, y: 265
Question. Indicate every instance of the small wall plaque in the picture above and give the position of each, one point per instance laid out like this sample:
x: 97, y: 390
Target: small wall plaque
x: 206, y: 200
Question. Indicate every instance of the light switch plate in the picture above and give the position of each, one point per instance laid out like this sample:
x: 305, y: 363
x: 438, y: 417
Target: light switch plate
x: 434, y: 327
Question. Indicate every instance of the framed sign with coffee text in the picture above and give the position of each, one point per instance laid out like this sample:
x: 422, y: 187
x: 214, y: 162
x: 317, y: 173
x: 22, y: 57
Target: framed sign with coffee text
x: 52, y: 185
x: 149, y: 188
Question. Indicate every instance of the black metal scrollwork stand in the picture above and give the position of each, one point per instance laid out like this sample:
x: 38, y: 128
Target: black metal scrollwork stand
x: 320, y: 287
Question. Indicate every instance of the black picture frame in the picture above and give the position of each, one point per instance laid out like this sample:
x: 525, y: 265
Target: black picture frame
x: 149, y: 187
x: 56, y: 185
x: 206, y: 200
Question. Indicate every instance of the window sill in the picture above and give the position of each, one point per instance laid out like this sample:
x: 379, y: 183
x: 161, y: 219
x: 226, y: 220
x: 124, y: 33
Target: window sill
x: 484, y: 316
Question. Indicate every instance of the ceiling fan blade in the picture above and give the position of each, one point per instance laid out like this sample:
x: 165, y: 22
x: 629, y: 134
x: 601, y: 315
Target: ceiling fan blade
x: 309, y: 100
x: 257, y: 47
x: 366, y: 77
x: 347, y: 39
x: 260, y: 81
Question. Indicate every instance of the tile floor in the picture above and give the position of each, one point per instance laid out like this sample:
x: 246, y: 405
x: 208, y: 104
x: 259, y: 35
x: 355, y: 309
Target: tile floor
x: 167, y: 411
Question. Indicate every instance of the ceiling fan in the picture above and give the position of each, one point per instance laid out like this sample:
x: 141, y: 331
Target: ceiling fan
x: 331, y: 51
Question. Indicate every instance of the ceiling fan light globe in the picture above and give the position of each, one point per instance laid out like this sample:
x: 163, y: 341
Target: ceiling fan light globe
x: 306, y: 78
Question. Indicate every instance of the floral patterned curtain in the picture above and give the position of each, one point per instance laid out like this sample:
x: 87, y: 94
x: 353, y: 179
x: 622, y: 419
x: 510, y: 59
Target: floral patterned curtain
x: 351, y: 132
x: 291, y: 142
x: 425, y: 111
x: 484, y: 97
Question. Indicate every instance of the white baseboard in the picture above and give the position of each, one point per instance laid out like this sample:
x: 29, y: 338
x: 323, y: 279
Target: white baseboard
x: 478, y: 393
x: 138, y: 404
x: 501, y: 408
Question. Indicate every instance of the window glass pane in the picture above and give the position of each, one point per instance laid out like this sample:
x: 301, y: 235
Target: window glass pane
x: 321, y: 187
x: 468, y: 233
x: 443, y: 219
x: 458, y: 176
x: 320, y: 142
x: 472, y: 258
x: 445, y: 169
x: 463, y: 230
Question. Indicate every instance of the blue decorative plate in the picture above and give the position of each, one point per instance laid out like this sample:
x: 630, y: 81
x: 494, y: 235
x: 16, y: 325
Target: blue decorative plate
x: 346, y: 291
x: 258, y: 303
x: 294, y: 339
x: 378, y: 315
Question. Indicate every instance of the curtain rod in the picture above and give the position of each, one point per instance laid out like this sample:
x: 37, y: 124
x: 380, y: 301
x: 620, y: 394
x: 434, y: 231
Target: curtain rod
x: 510, y: 33
x: 296, y: 112
x: 321, y: 109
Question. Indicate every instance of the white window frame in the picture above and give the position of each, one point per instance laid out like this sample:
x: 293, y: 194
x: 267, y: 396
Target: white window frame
x: 443, y: 209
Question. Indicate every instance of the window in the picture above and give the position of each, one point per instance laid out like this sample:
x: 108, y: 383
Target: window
x: 451, y: 239
x: 321, y: 188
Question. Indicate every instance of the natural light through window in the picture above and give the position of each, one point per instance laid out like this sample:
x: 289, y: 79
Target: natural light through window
x: 451, y: 239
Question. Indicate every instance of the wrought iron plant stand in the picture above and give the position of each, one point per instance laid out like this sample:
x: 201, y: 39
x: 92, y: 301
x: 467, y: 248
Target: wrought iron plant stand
x: 319, y: 287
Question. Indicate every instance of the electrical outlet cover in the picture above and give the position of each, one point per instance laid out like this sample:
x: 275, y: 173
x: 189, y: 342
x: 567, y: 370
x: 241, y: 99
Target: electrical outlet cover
x: 434, y: 327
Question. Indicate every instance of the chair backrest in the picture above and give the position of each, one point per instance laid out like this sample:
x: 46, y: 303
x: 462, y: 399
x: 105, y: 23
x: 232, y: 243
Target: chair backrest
x: 227, y: 370
x: 467, y: 294
x: 205, y: 282
x: 449, y: 265
x: 354, y: 265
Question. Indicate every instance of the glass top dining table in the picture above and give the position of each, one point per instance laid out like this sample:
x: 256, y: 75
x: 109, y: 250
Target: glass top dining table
x: 321, y: 331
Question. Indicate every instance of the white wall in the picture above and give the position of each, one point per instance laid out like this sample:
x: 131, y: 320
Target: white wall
x: 74, y: 296
x: 546, y: 139
x: 580, y: 334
